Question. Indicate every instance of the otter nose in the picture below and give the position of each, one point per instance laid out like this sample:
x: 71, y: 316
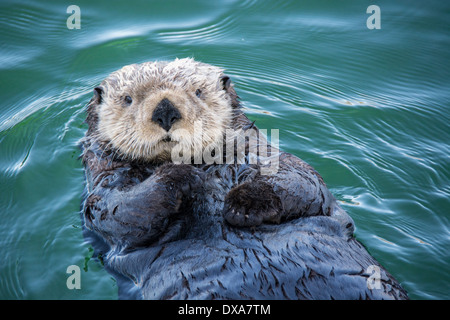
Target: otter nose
x: 165, y: 114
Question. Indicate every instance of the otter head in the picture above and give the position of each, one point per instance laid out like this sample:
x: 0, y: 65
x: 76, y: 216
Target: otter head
x: 145, y: 111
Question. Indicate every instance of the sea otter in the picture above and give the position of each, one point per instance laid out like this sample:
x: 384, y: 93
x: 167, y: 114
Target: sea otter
x: 193, y: 202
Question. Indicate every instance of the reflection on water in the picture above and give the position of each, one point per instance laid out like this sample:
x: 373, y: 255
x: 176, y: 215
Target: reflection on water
x: 367, y: 108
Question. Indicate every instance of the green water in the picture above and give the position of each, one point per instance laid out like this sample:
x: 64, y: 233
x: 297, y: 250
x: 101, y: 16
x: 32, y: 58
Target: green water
x: 369, y: 109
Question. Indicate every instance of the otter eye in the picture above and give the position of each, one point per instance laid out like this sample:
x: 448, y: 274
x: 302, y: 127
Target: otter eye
x: 128, y: 100
x: 198, y: 92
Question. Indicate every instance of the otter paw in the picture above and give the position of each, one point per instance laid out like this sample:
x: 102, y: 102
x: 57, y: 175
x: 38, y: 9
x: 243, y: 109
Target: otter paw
x: 182, y: 177
x: 251, y: 204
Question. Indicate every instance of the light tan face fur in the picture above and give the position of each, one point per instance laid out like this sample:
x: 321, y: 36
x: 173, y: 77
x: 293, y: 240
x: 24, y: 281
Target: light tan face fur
x: 128, y: 128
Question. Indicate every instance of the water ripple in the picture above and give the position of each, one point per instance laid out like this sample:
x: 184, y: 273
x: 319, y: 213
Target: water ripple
x: 210, y: 33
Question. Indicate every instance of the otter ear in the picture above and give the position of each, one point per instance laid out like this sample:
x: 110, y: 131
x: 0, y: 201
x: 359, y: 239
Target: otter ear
x: 226, y: 82
x: 92, y: 116
x: 98, y: 92
x: 226, y: 85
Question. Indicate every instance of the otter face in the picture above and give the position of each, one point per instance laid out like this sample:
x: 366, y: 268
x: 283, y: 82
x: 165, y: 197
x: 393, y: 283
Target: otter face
x: 146, y: 110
